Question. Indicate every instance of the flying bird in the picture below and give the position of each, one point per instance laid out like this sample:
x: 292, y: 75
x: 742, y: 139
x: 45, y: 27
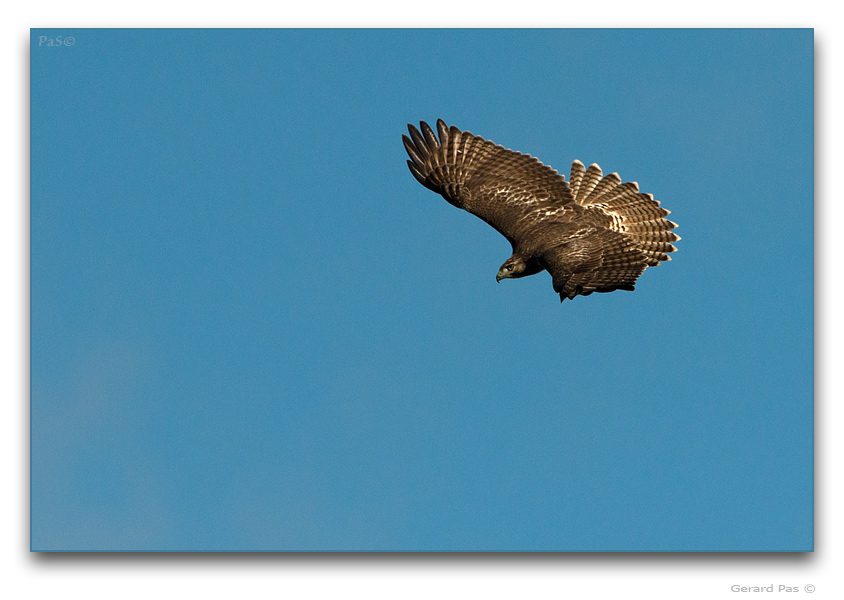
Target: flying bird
x: 592, y: 233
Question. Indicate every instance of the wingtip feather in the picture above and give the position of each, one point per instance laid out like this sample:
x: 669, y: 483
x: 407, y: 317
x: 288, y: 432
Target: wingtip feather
x: 418, y: 140
x: 430, y: 136
x: 412, y: 152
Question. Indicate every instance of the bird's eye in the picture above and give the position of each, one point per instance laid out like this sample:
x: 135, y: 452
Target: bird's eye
x: 509, y: 267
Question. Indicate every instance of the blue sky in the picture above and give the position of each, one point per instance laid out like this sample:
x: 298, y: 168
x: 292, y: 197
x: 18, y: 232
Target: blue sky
x: 252, y: 329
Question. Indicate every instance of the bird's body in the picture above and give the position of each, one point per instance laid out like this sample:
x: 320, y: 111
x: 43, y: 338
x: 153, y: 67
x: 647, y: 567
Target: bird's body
x: 592, y: 233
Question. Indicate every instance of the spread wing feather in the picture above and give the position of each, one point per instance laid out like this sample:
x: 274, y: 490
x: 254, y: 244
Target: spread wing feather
x: 631, y: 212
x: 504, y: 188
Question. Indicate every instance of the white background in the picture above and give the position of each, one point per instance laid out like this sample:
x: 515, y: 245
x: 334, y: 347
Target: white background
x: 26, y: 575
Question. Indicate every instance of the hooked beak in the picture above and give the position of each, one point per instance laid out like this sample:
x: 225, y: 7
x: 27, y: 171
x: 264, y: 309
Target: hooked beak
x: 499, y: 277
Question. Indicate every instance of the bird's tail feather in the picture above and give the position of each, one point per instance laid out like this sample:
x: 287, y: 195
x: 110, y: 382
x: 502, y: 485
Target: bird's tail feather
x: 601, y: 261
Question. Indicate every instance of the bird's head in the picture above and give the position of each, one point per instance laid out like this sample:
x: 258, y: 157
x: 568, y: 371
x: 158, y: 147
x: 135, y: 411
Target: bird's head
x: 512, y: 267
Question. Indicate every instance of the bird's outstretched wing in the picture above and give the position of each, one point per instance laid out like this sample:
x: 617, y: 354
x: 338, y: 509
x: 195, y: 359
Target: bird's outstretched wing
x: 622, y: 232
x: 509, y: 190
x: 620, y: 207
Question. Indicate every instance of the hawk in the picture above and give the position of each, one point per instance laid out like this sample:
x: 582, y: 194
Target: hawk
x: 592, y: 233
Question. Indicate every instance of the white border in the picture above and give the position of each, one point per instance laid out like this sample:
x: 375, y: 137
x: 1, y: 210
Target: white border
x: 397, y: 576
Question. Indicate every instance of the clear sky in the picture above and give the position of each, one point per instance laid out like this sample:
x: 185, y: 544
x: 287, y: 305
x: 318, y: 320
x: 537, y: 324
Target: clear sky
x: 252, y: 329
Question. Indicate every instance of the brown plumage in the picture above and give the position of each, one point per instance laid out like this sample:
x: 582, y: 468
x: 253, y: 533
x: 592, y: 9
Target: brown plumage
x: 592, y: 233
